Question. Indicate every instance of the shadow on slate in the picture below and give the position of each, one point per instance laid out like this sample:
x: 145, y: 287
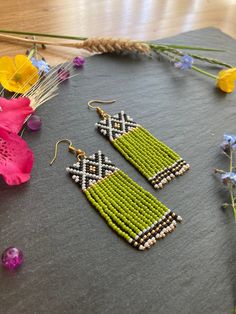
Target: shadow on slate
x: 74, y: 263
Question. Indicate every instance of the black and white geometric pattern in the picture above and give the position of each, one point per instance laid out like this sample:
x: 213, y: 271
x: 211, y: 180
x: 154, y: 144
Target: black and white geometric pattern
x: 90, y: 170
x: 114, y: 126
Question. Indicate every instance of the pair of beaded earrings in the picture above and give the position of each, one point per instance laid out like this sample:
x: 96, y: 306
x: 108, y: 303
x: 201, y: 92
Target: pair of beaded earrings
x: 131, y: 211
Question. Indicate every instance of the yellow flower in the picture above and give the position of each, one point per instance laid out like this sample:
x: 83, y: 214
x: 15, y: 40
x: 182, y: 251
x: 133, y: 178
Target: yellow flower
x: 17, y: 74
x: 225, y: 80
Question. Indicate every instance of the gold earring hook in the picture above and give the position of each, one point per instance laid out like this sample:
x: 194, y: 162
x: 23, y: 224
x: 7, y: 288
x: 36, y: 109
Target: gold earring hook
x: 78, y: 152
x: 101, y: 112
x: 99, y: 102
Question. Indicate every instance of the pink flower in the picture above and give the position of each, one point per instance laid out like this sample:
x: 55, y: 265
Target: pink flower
x: 16, y: 158
x: 13, y: 113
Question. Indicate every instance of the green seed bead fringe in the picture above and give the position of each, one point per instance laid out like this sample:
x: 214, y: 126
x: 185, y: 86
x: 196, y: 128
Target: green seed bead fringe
x: 155, y: 160
x: 132, y: 212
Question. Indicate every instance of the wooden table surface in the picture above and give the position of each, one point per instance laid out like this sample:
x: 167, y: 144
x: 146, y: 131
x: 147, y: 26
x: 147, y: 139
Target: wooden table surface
x: 136, y: 19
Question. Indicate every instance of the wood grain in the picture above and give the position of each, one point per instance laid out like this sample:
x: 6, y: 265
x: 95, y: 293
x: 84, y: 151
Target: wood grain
x: 136, y: 19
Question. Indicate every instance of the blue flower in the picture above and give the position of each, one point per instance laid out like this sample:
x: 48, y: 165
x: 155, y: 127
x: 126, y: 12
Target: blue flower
x: 185, y: 63
x: 229, y: 142
x: 231, y: 139
x: 41, y: 65
x: 229, y: 178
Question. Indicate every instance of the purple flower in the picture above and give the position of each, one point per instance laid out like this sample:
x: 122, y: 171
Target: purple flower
x: 63, y: 74
x: 229, y: 142
x: 41, y: 65
x: 229, y: 178
x: 78, y: 62
x: 185, y: 63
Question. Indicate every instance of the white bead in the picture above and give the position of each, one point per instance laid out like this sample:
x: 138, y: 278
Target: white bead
x: 179, y: 218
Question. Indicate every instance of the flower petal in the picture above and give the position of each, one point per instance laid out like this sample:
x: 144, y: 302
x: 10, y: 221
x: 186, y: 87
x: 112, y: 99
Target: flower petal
x: 16, y: 158
x: 17, y: 75
x: 7, y: 66
x: 225, y: 81
x: 13, y: 113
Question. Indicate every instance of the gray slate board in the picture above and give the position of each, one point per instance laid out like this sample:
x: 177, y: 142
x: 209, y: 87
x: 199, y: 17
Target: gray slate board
x: 73, y: 262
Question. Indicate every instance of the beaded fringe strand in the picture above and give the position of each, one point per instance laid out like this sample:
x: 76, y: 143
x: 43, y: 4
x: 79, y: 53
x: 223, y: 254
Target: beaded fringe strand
x: 132, y: 212
x: 155, y: 160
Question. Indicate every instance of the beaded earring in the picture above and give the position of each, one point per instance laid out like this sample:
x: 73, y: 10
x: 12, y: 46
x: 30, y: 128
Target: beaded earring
x: 154, y: 159
x: 132, y: 212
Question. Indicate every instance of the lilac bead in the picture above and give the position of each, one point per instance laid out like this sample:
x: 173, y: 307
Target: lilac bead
x: 34, y: 123
x: 78, y: 62
x: 12, y: 258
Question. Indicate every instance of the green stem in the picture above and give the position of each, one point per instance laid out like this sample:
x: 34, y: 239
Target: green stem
x: 31, y: 54
x: 194, y: 48
x: 231, y: 188
x: 166, y: 46
x: 42, y: 35
x: 231, y: 161
x: 232, y: 201
x: 210, y: 60
x: 204, y: 72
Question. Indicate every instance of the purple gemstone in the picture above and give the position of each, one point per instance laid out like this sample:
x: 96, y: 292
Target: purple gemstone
x: 12, y: 258
x: 63, y: 74
x: 34, y: 123
x: 78, y: 62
